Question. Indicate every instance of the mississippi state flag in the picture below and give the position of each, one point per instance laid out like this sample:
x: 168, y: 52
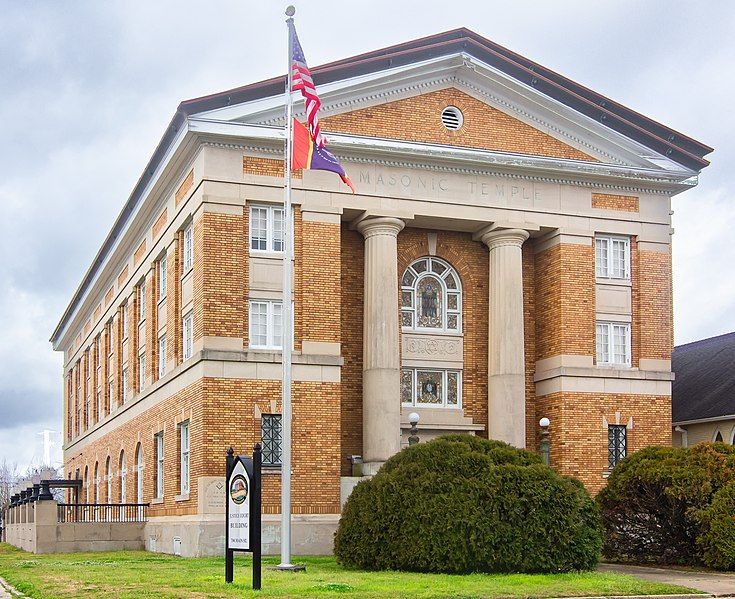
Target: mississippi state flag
x: 306, y: 154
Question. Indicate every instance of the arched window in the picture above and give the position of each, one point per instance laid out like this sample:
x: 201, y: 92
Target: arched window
x: 431, y: 297
x: 86, y: 484
x: 139, y: 474
x: 123, y: 478
x: 108, y: 479
x: 96, y: 482
x: 718, y: 437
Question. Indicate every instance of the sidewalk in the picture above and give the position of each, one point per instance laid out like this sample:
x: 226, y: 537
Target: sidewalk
x: 714, y: 583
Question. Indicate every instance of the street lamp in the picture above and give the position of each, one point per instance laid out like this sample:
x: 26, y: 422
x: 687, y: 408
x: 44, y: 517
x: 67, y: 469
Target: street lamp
x: 414, y: 418
x: 545, y: 442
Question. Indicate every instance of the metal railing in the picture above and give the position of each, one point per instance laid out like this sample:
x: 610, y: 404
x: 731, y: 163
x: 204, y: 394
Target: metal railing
x: 102, y: 512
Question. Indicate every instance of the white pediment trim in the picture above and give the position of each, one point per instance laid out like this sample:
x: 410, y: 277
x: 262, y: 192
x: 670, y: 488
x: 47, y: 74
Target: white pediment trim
x: 477, y: 79
x: 268, y: 140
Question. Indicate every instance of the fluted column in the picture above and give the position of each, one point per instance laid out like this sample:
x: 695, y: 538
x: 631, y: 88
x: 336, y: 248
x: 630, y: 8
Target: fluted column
x: 506, y: 362
x: 381, y: 360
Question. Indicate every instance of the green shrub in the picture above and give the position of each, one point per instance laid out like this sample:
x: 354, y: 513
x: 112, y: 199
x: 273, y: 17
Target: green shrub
x: 463, y: 504
x: 717, y: 540
x: 653, y: 503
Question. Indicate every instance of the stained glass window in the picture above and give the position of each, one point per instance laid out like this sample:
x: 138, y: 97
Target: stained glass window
x: 431, y: 387
x: 271, y: 433
x: 452, y: 388
x: 407, y: 386
x: 431, y: 297
x: 431, y: 302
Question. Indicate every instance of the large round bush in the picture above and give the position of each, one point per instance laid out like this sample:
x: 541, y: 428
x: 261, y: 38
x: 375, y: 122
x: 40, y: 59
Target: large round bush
x: 655, y: 502
x: 462, y: 504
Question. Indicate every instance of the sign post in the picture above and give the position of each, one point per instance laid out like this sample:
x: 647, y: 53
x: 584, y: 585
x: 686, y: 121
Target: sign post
x: 243, y: 511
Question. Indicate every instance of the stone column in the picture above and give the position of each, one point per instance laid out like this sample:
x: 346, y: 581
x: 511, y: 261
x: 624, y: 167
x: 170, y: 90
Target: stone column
x: 506, y: 393
x: 381, y: 359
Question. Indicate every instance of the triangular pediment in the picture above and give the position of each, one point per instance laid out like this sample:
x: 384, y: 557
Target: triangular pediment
x: 418, y: 119
x: 513, y: 105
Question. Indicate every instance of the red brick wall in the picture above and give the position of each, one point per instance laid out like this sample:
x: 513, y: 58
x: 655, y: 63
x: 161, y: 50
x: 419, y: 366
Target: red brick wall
x: 418, y: 119
x: 579, y: 439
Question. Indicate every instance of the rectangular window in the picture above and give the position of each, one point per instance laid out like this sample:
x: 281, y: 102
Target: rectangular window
x: 161, y: 356
x: 266, y: 324
x: 159, y: 465
x: 188, y: 334
x: 141, y: 372
x: 271, y: 435
x: 141, y: 300
x: 88, y: 422
x: 184, y: 458
x: 125, y: 320
x: 617, y: 443
x: 111, y: 393
x: 266, y: 228
x: 431, y: 387
x: 612, y: 257
x: 188, y: 249
x: 613, y: 343
x: 99, y: 405
x: 162, y: 274
x: 125, y: 385
x: 99, y: 357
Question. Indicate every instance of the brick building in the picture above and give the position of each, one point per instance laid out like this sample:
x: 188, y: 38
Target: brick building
x: 507, y: 257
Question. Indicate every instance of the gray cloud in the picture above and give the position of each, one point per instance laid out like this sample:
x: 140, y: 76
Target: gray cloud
x: 88, y: 88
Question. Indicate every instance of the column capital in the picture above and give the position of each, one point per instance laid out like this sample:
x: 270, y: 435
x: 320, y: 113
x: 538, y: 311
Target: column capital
x: 381, y: 225
x: 494, y: 238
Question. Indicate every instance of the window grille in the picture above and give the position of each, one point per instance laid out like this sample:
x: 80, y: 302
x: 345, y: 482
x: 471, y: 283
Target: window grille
x: 617, y: 443
x: 271, y: 433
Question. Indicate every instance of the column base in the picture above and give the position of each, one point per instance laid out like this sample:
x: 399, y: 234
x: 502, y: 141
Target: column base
x: 371, y: 468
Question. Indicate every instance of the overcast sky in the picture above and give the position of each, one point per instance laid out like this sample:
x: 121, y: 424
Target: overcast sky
x: 87, y: 88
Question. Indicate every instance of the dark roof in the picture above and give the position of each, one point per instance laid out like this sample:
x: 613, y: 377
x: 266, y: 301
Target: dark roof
x: 705, y: 379
x: 677, y: 146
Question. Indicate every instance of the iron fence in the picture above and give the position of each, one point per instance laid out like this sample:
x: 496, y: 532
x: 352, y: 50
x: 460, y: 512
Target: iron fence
x: 102, y: 512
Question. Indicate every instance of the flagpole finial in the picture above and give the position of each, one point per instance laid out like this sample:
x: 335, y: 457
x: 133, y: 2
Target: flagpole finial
x: 290, y: 10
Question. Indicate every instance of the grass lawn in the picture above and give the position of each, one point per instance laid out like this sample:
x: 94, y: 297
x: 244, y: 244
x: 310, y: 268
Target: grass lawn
x: 128, y: 574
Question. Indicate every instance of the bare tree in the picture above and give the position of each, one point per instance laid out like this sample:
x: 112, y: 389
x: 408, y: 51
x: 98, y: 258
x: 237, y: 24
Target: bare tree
x: 8, y: 479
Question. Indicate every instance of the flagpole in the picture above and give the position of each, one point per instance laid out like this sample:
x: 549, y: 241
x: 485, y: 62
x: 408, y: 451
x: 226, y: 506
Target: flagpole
x: 287, y: 311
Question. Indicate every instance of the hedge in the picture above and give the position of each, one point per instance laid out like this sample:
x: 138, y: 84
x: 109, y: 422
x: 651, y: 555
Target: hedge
x: 461, y: 504
x: 655, y: 503
x: 717, y: 540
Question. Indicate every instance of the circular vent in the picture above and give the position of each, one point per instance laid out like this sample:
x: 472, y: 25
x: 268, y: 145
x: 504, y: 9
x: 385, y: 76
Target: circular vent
x: 452, y: 118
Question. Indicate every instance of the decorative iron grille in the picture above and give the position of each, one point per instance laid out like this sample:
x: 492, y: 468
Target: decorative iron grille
x: 272, y: 439
x: 617, y: 443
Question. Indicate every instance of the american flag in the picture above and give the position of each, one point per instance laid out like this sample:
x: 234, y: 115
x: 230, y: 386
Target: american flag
x: 301, y: 80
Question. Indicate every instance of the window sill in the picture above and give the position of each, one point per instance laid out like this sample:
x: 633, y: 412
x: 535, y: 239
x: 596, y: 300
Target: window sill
x: 613, y: 281
x: 157, y: 501
x: 182, y: 497
x: 161, y: 301
x: 270, y: 470
x: 612, y: 366
x: 446, y: 333
x: 187, y: 273
x: 267, y: 253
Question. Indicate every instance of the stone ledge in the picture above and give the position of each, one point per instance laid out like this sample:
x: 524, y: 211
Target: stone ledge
x: 604, y: 373
x: 252, y: 355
